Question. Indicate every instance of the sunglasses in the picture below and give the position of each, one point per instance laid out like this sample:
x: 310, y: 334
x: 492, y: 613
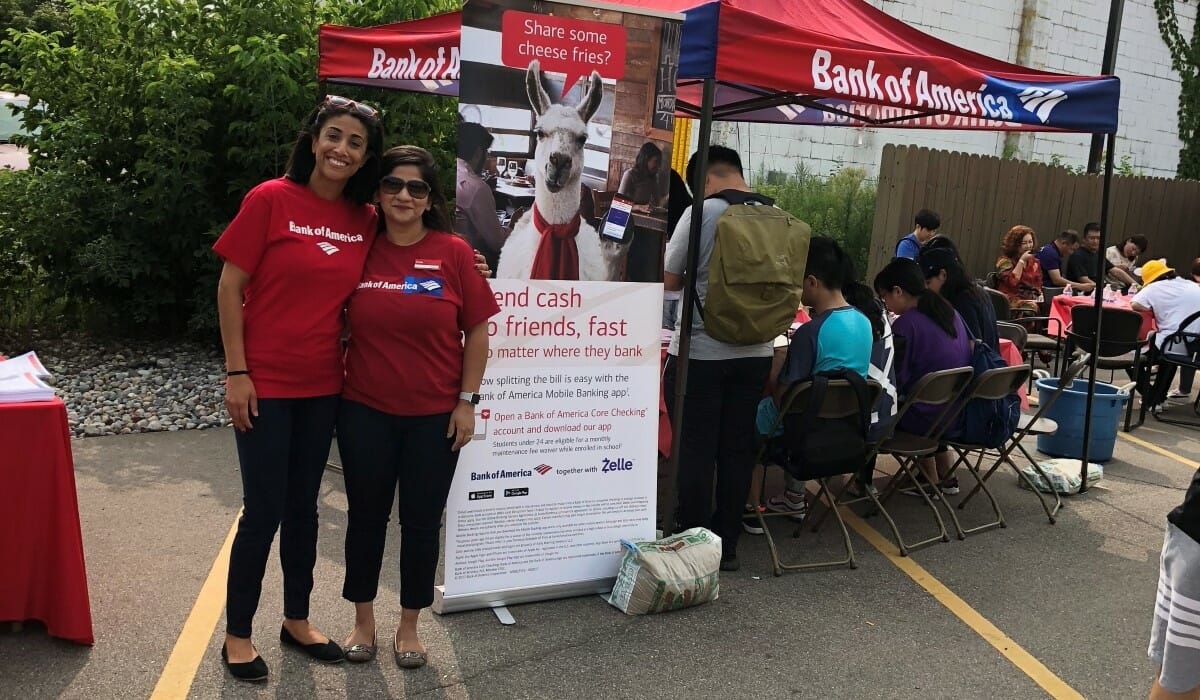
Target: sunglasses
x: 339, y: 102
x: 417, y: 189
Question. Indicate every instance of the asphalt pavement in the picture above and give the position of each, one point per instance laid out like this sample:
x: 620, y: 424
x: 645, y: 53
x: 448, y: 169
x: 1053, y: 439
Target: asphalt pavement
x: 1077, y: 596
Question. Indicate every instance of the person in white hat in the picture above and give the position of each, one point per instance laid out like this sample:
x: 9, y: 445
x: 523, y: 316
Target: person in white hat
x: 1172, y: 300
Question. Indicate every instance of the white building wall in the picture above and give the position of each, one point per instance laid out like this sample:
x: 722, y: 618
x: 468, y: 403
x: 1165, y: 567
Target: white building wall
x: 1067, y: 37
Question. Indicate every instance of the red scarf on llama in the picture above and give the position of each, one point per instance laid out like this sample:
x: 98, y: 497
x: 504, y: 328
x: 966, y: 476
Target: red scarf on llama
x: 557, y: 255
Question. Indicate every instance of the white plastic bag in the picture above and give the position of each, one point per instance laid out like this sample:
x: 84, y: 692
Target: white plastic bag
x: 667, y: 574
x: 1064, y: 475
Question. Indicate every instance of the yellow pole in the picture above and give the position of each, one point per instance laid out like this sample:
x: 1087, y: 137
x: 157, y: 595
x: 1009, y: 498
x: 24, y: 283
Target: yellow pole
x: 681, y: 145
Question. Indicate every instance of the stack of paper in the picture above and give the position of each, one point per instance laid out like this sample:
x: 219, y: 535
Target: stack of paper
x: 21, y: 379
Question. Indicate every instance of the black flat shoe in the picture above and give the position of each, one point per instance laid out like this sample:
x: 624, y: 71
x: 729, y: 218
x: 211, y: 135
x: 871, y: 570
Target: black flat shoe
x: 329, y: 652
x: 253, y: 671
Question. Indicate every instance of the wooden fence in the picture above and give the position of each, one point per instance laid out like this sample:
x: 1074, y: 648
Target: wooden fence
x: 980, y: 197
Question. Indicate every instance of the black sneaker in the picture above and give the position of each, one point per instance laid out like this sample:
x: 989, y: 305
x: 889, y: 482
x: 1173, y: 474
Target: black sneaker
x: 750, y: 521
x: 921, y: 485
x: 949, y: 486
x: 729, y: 562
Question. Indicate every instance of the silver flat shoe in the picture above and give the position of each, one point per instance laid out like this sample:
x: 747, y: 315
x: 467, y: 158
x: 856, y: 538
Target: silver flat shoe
x: 362, y: 653
x: 409, y: 659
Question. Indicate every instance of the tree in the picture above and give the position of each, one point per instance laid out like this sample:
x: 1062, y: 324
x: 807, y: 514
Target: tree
x: 1185, y: 59
x: 150, y: 127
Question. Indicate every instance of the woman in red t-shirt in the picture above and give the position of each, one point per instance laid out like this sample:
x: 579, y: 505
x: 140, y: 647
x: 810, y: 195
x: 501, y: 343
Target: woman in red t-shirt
x: 293, y: 255
x: 1018, y: 272
x: 418, y: 347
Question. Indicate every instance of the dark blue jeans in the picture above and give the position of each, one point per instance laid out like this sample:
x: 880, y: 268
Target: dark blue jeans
x: 718, y: 439
x: 282, y: 460
x: 380, y: 453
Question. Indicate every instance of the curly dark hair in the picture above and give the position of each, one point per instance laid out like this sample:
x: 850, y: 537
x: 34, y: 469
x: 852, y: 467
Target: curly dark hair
x: 360, y: 188
x: 436, y: 216
x: 1010, y: 246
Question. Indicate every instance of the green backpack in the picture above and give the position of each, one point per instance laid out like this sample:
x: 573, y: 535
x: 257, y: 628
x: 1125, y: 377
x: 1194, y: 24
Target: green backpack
x: 756, y: 271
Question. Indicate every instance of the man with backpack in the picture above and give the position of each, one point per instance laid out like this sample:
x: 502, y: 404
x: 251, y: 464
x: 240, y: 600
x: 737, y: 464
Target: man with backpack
x: 731, y: 338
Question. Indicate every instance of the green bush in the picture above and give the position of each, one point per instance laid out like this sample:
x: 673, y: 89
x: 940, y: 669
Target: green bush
x: 841, y: 206
x: 152, y: 123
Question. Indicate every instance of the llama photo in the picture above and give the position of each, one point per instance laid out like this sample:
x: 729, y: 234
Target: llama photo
x: 553, y: 241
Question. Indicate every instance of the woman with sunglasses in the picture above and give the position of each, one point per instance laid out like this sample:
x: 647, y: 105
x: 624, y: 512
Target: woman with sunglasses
x: 292, y: 256
x: 418, y: 347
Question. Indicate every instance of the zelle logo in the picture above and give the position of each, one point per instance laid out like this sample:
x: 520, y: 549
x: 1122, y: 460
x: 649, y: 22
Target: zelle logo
x: 543, y: 469
x: 1041, y: 102
x: 329, y: 248
x: 617, y: 465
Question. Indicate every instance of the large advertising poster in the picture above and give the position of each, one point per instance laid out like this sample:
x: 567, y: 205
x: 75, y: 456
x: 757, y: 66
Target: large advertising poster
x: 578, y: 101
x: 567, y: 199
x: 564, y: 461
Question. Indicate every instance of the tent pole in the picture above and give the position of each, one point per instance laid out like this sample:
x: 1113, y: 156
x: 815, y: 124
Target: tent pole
x: 686, y: 305
x: 1091, y: 394
x: 1108, y: 66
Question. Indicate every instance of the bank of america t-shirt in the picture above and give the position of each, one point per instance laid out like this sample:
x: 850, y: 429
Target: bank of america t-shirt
x: 304, y: 256
x: 407, y: 319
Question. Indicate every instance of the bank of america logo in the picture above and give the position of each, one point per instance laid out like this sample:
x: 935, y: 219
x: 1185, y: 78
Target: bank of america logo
x: 543, y: 469
x: 1041, y: 102
x: 430, y: 286
x: 329, y: 248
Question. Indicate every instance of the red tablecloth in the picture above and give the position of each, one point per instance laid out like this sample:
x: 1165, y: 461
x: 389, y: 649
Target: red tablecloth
x: 1060, y: 308
x: 1008, y: 351
x: 42, y: 574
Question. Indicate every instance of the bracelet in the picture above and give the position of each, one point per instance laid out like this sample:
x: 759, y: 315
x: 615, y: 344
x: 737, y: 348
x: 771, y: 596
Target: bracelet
x: 237, y: 372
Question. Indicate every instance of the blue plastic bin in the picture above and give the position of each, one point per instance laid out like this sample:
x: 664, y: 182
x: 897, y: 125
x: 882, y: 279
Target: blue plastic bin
x: 1068, y: 412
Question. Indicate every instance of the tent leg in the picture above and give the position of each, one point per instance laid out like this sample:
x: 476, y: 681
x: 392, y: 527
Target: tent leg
x: 687, y: 306
x: 1091, y: 393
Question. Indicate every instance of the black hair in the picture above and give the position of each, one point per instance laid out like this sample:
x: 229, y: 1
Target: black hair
x: 1089, y: 227
x: 717, y: 155
x: 935, y: 259
x: 646, y: 153
x: 928, y: 219
x: 828, y: 263
x: 1168, y: 275
x: 940, y: 243
x: 360, y: 188
x: 436, y: 216
x: 1140, y: 241
x: 1069, y: 237
x: 862, y: 298
x: 906, y: 274
x: 472, y: 136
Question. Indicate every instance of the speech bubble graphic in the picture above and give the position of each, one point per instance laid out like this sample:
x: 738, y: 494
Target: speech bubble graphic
x: 563, y: 45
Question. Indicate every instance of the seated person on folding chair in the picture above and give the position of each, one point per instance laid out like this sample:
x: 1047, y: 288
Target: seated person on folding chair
x: 1172, y: 299
x: 930, y: 336
x: 838, y: 338
x: 1187, y: 374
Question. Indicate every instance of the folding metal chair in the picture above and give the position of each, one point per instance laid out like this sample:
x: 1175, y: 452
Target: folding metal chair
x: 841, y: 401
x: 1120, y: 345
x: 992, y: 385
x: 1180, y: 349
x: 999, y: 302
x: 1029, y: 425
x: 934, y: 389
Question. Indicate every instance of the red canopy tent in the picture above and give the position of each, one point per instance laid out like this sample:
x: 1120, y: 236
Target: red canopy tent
x: 786, y: 61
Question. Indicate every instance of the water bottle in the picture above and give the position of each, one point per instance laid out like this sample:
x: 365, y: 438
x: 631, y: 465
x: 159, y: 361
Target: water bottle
x: 1109, y: 293
x: 1134, y: 289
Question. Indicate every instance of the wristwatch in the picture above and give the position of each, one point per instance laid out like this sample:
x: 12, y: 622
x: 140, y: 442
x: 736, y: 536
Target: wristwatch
x: 469, y: 397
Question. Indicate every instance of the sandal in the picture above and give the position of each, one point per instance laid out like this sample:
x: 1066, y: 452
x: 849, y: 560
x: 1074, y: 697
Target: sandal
x: 362, y: 653
x: 409, y: 659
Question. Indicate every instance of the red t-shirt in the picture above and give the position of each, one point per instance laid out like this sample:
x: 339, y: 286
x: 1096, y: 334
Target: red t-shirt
x: 407, y: 319
x: 304, y: 256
